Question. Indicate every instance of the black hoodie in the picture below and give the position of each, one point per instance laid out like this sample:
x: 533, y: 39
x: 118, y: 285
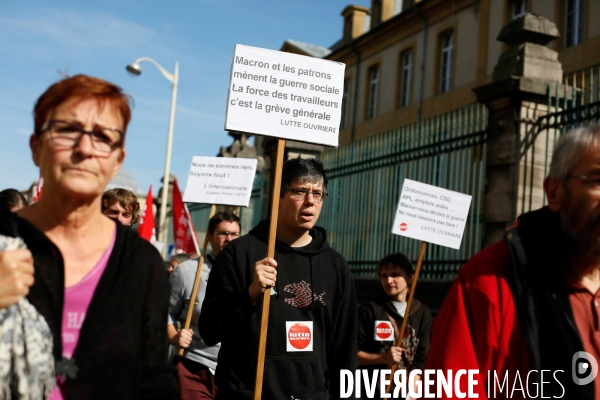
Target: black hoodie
x: 314, y: 285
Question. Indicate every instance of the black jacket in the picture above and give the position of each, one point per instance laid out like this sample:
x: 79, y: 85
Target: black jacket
x: 122, y: 348
x: 537, y: 249
x: 419, y: 326
x: 313, y: 284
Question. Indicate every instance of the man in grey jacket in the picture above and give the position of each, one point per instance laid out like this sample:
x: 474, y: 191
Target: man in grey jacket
x: 195, y: 370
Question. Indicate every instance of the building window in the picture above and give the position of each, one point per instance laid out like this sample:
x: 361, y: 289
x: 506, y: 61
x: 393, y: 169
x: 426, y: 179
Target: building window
x: 519, y: 8
x: 446, y: 54
x: 372, y: 92
x: 345, y: 98
x: 574, y: 22
x: 406, y: 64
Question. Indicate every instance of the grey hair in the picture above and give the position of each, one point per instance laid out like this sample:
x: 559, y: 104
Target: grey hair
x: 569, y: 148
x: 181, y: 257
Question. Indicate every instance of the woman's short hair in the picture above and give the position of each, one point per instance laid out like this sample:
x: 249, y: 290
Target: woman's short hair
x: 569, y: 148
x: 10, y: 198
x: 399, y: 260
x: 126, y: 199
x: 81, y: 87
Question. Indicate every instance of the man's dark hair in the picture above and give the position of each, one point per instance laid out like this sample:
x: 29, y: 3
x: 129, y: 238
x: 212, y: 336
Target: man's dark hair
x: 220, y: 217
x: 399, y: 260
x: 303, y: 170
x: 10, y: 198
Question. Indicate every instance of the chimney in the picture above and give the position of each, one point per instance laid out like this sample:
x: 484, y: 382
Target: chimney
x: 382, y: 10
x: 355, y: 18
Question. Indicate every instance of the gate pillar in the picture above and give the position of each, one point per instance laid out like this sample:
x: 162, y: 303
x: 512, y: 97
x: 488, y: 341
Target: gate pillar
x: 516, y: 96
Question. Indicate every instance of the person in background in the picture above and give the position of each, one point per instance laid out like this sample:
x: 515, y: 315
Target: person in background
x: 177, y: 259
x: 379, y: 321
x: 121, y: 205
x: 12, y: 199
x: 102, y: 289
x: 196, y: 368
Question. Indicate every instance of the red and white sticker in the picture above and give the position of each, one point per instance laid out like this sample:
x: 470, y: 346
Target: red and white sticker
x: 299, y: 335
x: 384, y: 331
x: 403, y: 226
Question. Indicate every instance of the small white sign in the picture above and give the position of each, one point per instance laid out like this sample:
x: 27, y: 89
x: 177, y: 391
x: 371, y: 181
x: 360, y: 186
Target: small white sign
x: 299, y: 335
x: 384, y: 331
x: 285, y: 95
x: 431, y: 214
x: 220, y: 180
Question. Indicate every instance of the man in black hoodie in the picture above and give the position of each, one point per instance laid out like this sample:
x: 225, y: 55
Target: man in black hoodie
x: 312, y: 318
x: 379, y: 322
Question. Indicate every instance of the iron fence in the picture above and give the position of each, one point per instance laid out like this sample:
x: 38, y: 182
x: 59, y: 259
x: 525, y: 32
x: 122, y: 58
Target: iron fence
x: 571, y: 104
x: 365, y: 178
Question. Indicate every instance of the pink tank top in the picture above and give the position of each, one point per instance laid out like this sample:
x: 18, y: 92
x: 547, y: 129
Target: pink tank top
x: 77, y: 300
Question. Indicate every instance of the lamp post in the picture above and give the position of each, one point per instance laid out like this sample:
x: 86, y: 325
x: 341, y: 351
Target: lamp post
x: 135, y: 69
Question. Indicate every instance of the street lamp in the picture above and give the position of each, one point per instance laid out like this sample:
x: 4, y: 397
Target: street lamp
x: 135, y: 69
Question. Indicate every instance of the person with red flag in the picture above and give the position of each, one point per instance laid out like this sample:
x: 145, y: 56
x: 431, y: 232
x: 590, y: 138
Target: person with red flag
x: 146, y: 229
x: 184, y: 232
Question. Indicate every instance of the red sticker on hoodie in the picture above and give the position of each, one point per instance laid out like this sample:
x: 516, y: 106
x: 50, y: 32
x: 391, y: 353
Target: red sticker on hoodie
x: 384, y: 331
x: 299, y: 335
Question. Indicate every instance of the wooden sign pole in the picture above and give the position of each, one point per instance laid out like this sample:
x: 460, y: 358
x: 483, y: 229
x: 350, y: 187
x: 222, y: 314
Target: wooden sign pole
x: 188, y: 319
x: 264, y: 323
x: 407, y: 311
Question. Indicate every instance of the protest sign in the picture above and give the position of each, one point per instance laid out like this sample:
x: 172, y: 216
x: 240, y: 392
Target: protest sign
x: 220, y: 180
x: 285, y: 95
x: 431, y: 214
x: 216, y: 180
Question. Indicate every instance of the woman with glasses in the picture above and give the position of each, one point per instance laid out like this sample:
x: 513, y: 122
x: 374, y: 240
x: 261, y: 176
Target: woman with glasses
x: 102, y: 290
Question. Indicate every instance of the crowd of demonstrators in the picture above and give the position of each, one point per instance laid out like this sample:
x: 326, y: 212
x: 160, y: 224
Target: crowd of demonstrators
x: 312, y: 292
x: 530, y: 302
x: 97, y: 294
x: 12, y: 200
x: 101, y: 289
x: 379, y: 350
x: 121, y: 205
x: 195, y: 370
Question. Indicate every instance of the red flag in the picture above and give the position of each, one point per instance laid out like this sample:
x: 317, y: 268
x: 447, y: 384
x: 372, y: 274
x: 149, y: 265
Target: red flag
x: 146, y: 229
x: 37, y: 191
x: 183, y: 228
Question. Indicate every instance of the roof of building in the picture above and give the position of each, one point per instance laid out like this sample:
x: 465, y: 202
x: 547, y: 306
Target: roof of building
x: 310, y: 49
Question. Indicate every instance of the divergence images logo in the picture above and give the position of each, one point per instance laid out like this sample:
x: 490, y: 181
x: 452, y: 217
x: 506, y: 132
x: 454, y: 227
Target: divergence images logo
x: 584, y: 367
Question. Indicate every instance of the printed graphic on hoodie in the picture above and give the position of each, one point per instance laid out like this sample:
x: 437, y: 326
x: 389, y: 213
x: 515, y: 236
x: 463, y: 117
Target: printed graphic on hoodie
x: 302, y: 292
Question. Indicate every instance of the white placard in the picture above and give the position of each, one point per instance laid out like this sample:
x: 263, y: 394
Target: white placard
x: 285, y: 95
x: 220, y: 180
x: 431, y: 214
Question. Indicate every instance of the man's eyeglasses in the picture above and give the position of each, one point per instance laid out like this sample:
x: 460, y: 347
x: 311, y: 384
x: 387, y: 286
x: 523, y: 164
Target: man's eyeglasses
x: 227, y: 233
x: 301, y: 194
x: 67, y: 134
